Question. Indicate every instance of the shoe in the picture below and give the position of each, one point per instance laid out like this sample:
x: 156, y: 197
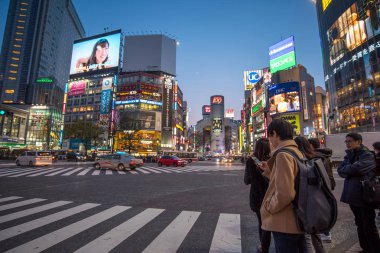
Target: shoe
x: 326, y: 238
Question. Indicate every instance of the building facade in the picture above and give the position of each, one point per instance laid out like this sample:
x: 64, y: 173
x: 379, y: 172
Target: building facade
x: 350, y: 39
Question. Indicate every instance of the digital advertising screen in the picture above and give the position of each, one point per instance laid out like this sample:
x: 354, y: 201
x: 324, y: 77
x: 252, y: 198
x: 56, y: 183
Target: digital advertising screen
x: 77, y: 88
x: 284, y: 97
x: 294, y: 120
x: 206, y: 110
x: 356, y: 25
x: 282, y: 55
x: 96, y: 53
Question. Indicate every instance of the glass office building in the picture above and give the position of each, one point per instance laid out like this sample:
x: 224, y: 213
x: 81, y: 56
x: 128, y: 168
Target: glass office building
x: 350, y: 40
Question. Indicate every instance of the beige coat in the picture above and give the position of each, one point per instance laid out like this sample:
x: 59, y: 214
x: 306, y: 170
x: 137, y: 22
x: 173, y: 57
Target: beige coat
x: 276, y: 211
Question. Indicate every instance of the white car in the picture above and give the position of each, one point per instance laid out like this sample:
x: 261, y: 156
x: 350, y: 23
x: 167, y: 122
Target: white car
x: 35, y: 158
x: 118, y: 161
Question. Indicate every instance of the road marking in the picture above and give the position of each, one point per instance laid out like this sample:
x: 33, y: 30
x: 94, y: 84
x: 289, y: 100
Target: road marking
x: 29, y: 172
x: 45, y: 172
x: 9, y: 198
x: 21, y: 203
x: 109, y: 240
x: 34, y: 210
x: 171, y: 238
x: 133, y: 172
x: 48, y: 240
x: 28, y: 226
x: 60, y: 171
x: 227, y: 236
x: 84, y: 172
x: 72, y: 172
x: 8, y: 170
x: 109, y: 172
x: 162, y: 170
x: 142, y: 170
x: 96, y: 173
x: 121, y: 172
x: 152, y: 170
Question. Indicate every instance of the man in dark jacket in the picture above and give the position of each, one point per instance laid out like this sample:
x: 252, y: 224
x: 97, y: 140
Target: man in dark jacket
x: 358, y: 163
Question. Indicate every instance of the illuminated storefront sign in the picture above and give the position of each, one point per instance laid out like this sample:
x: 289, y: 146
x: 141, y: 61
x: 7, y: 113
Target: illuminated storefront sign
x: 230, y: 113
x: 134, y: 101
x: 206, y: 110
x: 179, y: 127
x: 283, y: 62
x: 77, y: 88
x: 325, y: 4
x: 216, y: 100
x: 44, y: 80
x: 252, y: 77
x: 282, y: 55
x: 257, y: 108
x: 105, y: 101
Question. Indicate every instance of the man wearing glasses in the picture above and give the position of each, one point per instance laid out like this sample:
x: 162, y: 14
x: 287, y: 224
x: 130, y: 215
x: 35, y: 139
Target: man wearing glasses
x: 358, y: 162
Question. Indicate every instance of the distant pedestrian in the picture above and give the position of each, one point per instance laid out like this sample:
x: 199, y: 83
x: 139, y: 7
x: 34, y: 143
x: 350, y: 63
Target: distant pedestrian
x: 313, y: 241
x: 259, y: 185
x: 325, y: 154
x: 359, y: 162
x: 277, y: 211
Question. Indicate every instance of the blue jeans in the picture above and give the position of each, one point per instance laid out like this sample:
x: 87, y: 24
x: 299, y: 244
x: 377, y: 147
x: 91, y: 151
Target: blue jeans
x: 286, y: 243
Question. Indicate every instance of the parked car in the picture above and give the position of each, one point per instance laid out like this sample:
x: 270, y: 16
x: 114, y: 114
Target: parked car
x: 201, y: 158
x: 169, y: 160
x: 118, y: 161
x: 35, y: 158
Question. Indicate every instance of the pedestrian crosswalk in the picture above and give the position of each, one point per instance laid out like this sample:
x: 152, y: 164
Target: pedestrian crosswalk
x: 36, y: 225
x: 90, y: 171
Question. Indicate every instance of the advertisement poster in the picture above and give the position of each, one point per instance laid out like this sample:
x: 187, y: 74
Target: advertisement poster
x: 284, y: 97
x: 217, y: 125
x: 97, y: 53
x: 77, y: 88
x: 294, y: 120
x: 105, y: 102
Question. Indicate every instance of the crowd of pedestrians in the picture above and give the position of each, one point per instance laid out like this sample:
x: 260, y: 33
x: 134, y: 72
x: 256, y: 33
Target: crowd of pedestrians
x: 272, y: 175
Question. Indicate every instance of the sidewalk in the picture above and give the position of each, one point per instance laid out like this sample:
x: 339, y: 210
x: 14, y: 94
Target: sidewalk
x: 356, y: 247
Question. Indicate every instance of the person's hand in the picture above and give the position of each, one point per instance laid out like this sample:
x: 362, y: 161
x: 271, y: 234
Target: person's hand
x: 264, y: 166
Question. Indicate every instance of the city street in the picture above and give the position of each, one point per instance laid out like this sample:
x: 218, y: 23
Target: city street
x: 69, y: 207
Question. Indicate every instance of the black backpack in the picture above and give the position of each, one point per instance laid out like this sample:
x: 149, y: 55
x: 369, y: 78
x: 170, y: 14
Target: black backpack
x: 314, y: 204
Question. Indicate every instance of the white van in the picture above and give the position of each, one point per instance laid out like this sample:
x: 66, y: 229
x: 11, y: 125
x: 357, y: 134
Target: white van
x: 35, y: 158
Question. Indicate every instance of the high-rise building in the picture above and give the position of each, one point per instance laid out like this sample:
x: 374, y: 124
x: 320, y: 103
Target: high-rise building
x: 37, y: 44
x: 35, y: 63
x: 350, y: 39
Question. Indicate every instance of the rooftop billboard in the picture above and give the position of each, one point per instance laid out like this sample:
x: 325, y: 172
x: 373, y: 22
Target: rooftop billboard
x: 282, y: 55
x: 96, y: 53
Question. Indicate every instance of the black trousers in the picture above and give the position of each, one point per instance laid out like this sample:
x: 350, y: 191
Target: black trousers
x: 265, y: 236
x: 367, y: 232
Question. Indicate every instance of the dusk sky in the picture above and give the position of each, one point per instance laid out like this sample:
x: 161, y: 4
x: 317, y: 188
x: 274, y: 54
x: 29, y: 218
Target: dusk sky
x: 219, y: 39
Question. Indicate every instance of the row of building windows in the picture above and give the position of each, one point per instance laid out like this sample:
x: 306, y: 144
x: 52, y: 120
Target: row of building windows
x: 74, y: 118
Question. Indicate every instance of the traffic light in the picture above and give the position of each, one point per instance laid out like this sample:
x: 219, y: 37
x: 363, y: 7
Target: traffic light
x: 2, y: 112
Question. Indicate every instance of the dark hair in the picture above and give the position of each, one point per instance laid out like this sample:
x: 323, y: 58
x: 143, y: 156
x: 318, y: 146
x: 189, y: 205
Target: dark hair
x: 291, y: 100
x: 305, y: 147
x: 262, y: 149
x: 314, y: 142
x: 103, y: 43
x: 376, y: 145
x: 355, y: 136
x: 282, y: 128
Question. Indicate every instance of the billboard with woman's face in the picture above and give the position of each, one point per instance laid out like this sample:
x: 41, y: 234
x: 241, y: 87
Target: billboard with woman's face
x: 95, y: 53
x: 284, y: 97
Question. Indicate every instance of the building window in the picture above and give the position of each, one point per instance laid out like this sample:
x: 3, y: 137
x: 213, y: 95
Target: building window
x: 19, y: 33
x: 15, y: 58
x: 12, y: 78
x: 14, y: 65
x: 17, y: 45
x: 21, y: 21
x: 18, y: 39
x: 9, y: 91
x: 83, y: 109
x: 20, y: 27
x: 22, y: 15
x: 23, y: 9
x: 75, y: 109
x: 24, y: 3
x: 16, y: 52
x: 13, y: 71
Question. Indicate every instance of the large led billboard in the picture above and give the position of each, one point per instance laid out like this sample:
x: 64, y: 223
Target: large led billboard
x: 282, y: 55
x: 284, y: 97
x: 77, y: 88
x: 96, y: 53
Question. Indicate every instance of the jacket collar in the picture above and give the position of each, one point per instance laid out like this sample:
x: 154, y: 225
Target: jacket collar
x: 287, y: 143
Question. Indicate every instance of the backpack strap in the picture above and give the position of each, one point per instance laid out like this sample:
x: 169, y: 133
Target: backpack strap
x: 289, y: 151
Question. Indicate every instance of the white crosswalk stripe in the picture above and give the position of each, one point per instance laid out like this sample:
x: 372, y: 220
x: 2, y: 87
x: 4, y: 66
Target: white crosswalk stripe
x: 86, y: 171
x: 171, y: 238
x: 226, y: 235
x: 9, y: 198
x: 21, y: 203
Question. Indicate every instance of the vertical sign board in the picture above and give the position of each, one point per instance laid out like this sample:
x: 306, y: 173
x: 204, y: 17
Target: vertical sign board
x: 106, y: 96
x: 167, y: 113
x: 304, y: 101
x: 251, y: 77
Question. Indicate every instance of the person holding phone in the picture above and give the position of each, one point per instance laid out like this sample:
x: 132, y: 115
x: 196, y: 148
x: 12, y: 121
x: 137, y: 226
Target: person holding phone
x: 259, y: 186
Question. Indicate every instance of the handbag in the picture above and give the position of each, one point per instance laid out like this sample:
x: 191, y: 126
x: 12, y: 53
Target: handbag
x: 371, y: 190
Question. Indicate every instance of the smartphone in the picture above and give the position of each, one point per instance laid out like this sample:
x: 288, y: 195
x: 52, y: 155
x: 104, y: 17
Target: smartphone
x: 257, y: 161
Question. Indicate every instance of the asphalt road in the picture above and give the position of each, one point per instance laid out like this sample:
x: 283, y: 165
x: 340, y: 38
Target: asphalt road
x: 70, y: 207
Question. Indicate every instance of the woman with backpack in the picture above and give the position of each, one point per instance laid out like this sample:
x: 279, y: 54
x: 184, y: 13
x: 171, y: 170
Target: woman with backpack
x: 313, y: 241
x: 259, y: 186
